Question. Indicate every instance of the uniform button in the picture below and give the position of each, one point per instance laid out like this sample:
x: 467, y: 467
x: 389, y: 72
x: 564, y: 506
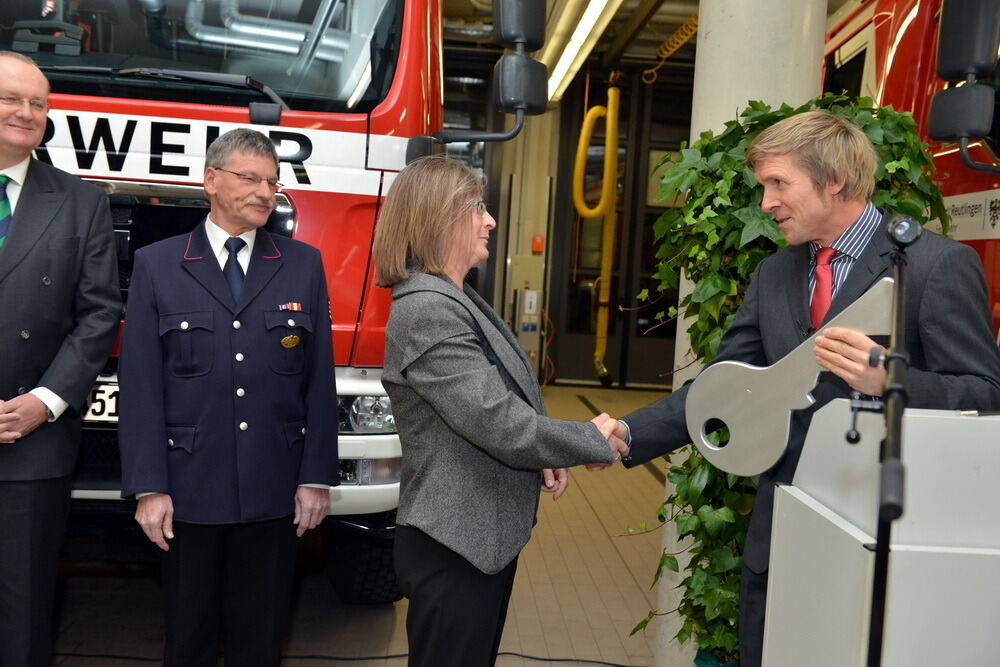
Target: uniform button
x: 303, y: 430
x: 184, y: 325
x: 241, y: 392
x: 239, y: 356
x: 25, y: 334
x: 236, y: 324
x: 291, y: 323
x: 22, y: 390
x: 170, y: 441
x: 46, y: 281
x: 244, y: 426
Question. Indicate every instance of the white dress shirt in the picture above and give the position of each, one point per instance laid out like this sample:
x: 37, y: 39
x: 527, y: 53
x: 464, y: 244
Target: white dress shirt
x: 217, y: 238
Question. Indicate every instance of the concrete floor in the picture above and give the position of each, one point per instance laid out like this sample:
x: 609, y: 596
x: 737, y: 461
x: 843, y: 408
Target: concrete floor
x: 583, y: 582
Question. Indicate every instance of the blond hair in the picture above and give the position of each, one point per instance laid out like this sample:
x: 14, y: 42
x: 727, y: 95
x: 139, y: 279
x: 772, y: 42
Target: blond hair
x: 830, y: 148
x: 415, y: 226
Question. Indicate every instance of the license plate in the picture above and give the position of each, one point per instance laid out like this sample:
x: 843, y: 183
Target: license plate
x: 102, y: 405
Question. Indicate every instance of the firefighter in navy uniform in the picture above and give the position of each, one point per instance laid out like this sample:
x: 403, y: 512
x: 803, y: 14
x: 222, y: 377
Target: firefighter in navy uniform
x: 228, y: 430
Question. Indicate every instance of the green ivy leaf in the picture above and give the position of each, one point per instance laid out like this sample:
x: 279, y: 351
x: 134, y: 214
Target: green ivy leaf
x: 911, y: 208
x: 874, y: 133
x: 687, y: 524
x: 670, y: 562
x: 709, y: 287
x: 756, y: 224
x: 724, y: 560
x: 641, y: 625
x: 711, y: 519
x: 699, y: 479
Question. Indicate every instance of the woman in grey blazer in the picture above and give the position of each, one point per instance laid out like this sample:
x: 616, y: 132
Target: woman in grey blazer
x: 477, y: 446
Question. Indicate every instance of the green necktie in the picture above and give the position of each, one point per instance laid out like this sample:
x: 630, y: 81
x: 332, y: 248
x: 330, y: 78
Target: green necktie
x: 5, y: 216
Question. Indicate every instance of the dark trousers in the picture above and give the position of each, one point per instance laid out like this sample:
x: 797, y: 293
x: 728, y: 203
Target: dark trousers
x: 32, y: 522
x: 231, y: 578
x: 753, y: 599
x: 456, y: 612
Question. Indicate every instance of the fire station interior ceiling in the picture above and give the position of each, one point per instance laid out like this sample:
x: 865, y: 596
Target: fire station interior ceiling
x: 631, y: 39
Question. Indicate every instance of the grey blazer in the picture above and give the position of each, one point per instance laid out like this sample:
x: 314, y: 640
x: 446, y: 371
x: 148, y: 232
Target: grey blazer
x: 471, y: 422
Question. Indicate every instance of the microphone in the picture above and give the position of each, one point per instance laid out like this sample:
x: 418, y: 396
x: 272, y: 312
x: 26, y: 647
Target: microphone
x: 903, y: 230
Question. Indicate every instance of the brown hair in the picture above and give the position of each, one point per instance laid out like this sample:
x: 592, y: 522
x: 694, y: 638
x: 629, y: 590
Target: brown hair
x: 415, y: 227
x: 830, y: 148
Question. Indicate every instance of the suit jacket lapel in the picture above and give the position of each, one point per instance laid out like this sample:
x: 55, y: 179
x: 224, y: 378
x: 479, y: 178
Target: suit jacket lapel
x: 37, y: 206
x: 797, y: 290
x: 506, y: 348
x: 200, y: 262
x: 265, y: 262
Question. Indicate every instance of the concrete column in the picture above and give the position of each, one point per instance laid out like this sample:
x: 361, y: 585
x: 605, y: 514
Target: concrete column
x: 768, y: 50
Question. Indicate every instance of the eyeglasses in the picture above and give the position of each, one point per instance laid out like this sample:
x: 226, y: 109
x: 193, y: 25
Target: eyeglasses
x: 38, y: 106
x: 253, y: 180
x: 480, y: 206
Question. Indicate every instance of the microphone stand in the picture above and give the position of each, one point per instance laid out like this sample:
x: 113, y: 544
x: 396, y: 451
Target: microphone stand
x: 903, y: 231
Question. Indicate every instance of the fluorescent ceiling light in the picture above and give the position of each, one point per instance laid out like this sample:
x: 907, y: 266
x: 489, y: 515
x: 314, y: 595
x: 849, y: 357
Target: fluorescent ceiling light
x: 589, y: 29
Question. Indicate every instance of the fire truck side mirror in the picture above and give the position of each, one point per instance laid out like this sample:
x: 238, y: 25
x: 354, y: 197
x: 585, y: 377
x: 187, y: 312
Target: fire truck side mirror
x: 519, y: 22
x: 962, y: 112
x: 968, y: 38
x: 520, y: 84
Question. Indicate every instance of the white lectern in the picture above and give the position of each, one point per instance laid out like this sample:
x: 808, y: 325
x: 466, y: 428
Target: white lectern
x: 943, y: 598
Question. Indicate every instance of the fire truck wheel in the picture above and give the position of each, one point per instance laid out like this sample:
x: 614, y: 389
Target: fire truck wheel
x: 360, y: 568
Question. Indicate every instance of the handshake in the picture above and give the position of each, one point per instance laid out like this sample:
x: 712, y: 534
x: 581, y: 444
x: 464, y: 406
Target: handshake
x: 616, y: 434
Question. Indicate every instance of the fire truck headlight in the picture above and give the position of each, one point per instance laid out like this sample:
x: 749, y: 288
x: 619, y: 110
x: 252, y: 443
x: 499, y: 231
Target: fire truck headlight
x: 371, y: 414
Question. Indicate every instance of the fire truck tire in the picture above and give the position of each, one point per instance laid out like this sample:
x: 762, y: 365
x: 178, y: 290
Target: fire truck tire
x: 361, y: 569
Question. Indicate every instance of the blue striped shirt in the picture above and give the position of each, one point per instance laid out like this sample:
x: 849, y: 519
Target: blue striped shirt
x: 849, y: 247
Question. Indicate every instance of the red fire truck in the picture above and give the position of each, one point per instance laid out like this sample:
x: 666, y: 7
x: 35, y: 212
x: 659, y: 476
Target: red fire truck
x: 139, y: 90
x: 887, y: 50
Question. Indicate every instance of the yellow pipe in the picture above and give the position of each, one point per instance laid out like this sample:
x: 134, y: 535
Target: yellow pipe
x: 606, y: 208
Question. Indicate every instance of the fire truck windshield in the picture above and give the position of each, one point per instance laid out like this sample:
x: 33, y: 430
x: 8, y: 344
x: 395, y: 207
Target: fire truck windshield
x: 316, y: 55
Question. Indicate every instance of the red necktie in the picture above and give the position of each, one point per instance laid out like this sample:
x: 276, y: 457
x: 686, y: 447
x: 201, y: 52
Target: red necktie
x: 823, y: 290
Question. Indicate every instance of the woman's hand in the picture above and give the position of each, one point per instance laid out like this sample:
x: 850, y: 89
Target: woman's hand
x: 555, y: 481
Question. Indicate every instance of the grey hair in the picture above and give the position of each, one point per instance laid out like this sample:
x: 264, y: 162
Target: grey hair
x: 241, y: 139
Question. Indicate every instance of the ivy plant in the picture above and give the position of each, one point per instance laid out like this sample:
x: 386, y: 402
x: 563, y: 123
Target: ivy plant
x: 716, y: 238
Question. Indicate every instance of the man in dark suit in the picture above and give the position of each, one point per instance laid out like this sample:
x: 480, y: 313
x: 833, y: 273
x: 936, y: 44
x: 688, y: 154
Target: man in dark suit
x: 59, y: 310
x: 818, y: 174
x: 228, y: 428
